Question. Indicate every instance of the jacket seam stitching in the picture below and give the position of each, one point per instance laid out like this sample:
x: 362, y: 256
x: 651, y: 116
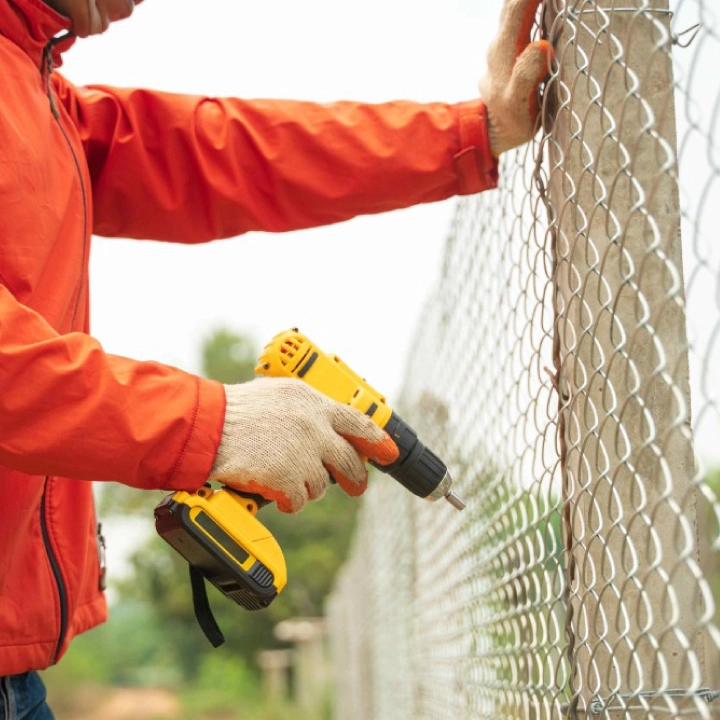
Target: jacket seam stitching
x: 29, y: 643
x: 196, y: 412
x: 467, y: 114
x: 458, y: 121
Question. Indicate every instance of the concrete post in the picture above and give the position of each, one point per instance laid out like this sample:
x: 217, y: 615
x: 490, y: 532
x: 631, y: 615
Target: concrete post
x: 275, y: 667
x: 626, y: 439
x: 310, y: 656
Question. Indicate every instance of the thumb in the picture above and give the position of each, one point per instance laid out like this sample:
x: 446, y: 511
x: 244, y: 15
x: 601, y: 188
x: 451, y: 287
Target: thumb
x: 364, y: 435
x: 531, y: 68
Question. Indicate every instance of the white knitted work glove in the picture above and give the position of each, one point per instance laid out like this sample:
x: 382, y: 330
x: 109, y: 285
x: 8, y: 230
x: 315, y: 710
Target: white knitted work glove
x: 516, y: 67
x: 283, y: 439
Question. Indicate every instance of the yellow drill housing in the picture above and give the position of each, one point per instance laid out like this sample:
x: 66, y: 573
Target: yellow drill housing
x: 291, y: 354
x: 217, y: 532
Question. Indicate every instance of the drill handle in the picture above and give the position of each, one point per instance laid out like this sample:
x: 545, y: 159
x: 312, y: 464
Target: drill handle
x: 259, y: 501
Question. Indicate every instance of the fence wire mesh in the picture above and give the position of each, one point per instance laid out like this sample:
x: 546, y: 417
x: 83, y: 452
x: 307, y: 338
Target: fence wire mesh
x: 567, y: 369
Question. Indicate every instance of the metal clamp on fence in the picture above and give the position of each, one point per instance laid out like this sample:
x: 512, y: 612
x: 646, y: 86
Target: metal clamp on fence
x: 609, y: 10
x: 598, y: 706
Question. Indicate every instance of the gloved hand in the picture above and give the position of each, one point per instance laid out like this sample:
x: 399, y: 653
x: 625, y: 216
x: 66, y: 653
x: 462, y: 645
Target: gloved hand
x: 283, y: 440
x: 516, y: 67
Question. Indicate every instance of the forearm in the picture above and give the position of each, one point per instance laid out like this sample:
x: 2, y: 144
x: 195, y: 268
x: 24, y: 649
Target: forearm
x: 191, y: 169
x: 67, y: 408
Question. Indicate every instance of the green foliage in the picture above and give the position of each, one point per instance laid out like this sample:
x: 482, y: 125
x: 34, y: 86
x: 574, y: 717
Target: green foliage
x: 222, y: 683
x: 127, y: 651
x: 229, y: 357
x: 708, y: 525
x: 315, y: 544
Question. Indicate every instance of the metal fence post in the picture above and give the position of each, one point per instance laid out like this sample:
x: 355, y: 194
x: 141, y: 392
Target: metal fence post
x: 633, y: 637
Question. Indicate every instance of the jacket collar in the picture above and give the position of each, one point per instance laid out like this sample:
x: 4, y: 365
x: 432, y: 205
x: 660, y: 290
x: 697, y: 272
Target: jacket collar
x: 34, y: 26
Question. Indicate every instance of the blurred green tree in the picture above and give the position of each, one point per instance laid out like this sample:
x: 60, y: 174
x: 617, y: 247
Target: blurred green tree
x: 229, y: 357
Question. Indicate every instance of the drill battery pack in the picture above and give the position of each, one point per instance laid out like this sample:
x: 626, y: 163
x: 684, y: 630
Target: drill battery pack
x: 217, y: 532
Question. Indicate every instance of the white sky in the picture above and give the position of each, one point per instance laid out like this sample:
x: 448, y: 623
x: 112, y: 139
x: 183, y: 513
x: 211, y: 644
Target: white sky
x: 356, y: 288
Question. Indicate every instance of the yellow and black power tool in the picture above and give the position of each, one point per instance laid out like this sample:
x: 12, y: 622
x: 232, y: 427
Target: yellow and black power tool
x: 217, y: 532
x: 291, y: 354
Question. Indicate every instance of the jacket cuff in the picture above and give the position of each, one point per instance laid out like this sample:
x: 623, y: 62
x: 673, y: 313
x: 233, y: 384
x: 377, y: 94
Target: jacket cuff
x: 476, y: 168
x: 193, y: 466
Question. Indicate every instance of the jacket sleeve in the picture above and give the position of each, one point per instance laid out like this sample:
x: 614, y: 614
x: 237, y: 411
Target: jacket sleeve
x: 67, y: 408
x: 191, y: 169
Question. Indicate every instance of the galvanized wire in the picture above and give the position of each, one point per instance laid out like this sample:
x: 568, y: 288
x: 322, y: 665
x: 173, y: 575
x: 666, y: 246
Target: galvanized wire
x: 567, y: 367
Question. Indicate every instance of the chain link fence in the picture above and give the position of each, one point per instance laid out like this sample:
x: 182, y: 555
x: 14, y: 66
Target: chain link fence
x: 567, y: 367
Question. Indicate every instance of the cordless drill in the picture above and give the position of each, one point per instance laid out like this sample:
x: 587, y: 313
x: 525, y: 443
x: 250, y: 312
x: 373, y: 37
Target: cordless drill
x: 217, y: 532
x: 291, y: 354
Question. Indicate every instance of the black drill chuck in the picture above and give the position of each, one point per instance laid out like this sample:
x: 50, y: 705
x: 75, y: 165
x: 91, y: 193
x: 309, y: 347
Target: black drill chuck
x: 418, y: 468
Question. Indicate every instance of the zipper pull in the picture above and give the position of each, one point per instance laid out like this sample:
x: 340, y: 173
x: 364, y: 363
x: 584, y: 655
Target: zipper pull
x: 47, y: 69
x: 102, y: 559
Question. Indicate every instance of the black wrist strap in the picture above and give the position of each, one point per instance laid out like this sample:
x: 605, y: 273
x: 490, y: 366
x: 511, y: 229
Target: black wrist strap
x: 203, y: 613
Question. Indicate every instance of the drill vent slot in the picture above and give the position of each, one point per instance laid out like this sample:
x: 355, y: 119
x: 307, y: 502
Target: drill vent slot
x: 248, y: 600
x: 289, y: 349
x: 237, y: 593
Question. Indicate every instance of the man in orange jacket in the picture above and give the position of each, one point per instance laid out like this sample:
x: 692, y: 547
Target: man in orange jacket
x: 144, y: 164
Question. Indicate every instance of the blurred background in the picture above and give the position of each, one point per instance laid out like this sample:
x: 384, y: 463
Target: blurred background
x: 210, y: 310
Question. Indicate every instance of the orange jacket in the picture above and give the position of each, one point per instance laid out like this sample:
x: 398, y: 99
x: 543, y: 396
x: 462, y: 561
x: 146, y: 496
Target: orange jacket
x: 140, y: 164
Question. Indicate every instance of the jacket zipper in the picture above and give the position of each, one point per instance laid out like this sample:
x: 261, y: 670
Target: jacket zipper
x: 57, y: 574
x: 47, y: 70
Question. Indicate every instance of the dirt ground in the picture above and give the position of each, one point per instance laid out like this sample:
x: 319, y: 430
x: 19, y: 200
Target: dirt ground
x: 122, y: 704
